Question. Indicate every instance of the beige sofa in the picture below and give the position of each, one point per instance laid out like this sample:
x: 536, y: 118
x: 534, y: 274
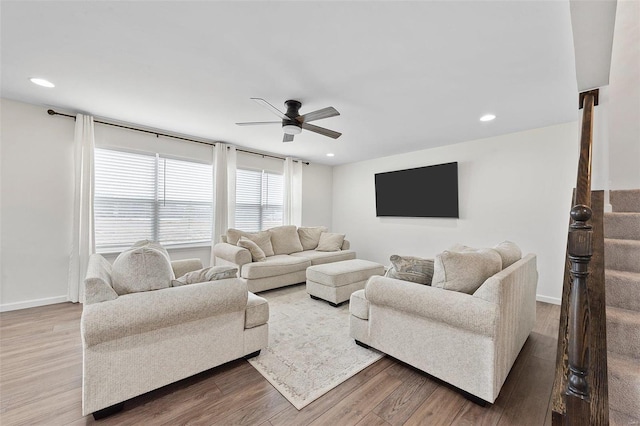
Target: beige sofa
x: 286, y: 264
x: 140, y: 341
x: 468, y: 340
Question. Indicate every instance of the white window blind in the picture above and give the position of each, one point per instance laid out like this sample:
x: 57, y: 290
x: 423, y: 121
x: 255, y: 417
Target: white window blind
x: 259, y: 200
x: 140, y: 196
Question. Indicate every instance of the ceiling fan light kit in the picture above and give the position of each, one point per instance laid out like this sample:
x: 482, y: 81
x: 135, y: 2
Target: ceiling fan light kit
x: 293, y: 122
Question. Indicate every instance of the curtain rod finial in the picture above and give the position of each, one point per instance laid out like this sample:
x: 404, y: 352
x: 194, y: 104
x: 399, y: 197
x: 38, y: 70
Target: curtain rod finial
x: 51, y: 112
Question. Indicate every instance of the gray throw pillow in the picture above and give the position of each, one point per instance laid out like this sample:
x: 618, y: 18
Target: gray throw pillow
x: 330, y: 242
x: 257, y: 254
x: 204, y: 275
x: 410, y: 268
x: 310, y: 236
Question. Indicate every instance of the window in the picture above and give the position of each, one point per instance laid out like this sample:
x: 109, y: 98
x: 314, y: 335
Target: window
x: 147, y: 196
x: 259, y: 200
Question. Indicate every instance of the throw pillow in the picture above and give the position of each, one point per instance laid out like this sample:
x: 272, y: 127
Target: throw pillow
x: 330, y: 242
x: 257, y: 254
x: 285, y: 239
x: 262, y: 239
x: 465, y: 271
x: 141, y: 268
x: 310, y: 236
x: 204, y: 275
x: 509, y: 252
x: 409, y: 268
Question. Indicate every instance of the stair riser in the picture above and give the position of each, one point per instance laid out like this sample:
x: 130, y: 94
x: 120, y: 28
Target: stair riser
x: 624, y: 392
x: 625, y: 201
x: 622, y: 291
x: 625, y: 226
x: 622, y: 255
x: 623, y: 337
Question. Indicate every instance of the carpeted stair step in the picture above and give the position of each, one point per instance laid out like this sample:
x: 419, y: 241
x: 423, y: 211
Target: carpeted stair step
x: 624, y: 384
x: 623, y: 226
x: 622, y: 255
x: 622, y: 289
x: 623, y: 332
x: 627, y: 200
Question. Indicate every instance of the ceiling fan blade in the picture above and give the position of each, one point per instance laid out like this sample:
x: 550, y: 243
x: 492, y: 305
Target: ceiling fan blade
x: 318, y: 115
x: 271, y: 108
x: 321, y: 130
x: 287, y: 138
x: 255, y: 123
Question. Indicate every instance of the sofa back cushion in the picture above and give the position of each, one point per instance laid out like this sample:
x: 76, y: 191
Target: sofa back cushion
x: 509, y: 252
x: 310, y: 236
x: 143, y: 267
x: 465, y: 271
x: 285, y: 239
x: 262, y: 239
x: 257, y: 254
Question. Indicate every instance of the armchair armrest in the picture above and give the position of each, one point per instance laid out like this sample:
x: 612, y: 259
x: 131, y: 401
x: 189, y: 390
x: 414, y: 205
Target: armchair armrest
x: 137, y: 313
x: 457, y: 309
x: 233, y: 254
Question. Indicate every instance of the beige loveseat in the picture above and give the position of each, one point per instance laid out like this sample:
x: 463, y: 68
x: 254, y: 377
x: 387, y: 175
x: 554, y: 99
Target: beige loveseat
x: 140, y: 341
x: 468, y: 340
x: 288, y: 250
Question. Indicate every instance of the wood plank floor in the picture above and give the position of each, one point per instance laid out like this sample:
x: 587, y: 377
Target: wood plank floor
x: 41, y: 379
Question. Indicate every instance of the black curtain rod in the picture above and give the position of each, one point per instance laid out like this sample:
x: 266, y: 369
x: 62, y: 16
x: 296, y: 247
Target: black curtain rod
x: 158, y: 134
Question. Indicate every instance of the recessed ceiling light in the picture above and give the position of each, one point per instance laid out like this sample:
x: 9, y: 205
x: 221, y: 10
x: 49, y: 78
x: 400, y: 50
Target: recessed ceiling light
x: 331, y: 154
x: 42, y: 82
x: 487, y: 117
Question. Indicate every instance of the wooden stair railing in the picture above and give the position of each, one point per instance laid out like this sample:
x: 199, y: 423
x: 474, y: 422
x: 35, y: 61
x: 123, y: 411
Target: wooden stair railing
x: 580, y: 390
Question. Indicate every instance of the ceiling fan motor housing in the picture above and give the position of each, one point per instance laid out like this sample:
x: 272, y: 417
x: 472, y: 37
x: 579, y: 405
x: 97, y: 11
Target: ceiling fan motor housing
x: 293, y: 111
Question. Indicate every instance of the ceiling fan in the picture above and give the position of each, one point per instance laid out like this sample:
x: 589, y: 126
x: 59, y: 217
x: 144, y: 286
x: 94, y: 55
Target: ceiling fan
x: 293, y: 123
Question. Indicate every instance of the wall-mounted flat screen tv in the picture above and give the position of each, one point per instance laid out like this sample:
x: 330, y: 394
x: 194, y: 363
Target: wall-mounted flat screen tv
x: 430, y: 191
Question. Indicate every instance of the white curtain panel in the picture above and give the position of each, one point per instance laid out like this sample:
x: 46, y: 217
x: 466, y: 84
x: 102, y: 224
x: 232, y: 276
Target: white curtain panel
x: 292, y: 192
x: 224, y: 191
x: 83, y: 243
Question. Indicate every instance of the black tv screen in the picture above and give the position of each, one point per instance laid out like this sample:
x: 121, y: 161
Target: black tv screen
x: 430, y: 191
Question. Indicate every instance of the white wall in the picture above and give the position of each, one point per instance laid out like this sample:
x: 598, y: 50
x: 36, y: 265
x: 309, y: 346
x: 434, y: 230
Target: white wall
x: 514, y: 187
x: 37, y: 202
x: 36, y: 181
x: 624, y: 99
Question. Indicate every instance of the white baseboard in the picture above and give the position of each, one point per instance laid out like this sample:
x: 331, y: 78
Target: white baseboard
x: 547, y: 299
x: 32, y: 303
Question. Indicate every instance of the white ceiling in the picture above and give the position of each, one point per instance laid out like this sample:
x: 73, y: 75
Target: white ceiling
x: 404, y: 75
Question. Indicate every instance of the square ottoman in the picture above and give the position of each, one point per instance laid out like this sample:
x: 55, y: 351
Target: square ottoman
x: 334, y: 282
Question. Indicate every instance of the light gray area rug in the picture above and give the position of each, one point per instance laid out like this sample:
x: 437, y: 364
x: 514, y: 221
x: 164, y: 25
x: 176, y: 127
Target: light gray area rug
x: 310, y: 351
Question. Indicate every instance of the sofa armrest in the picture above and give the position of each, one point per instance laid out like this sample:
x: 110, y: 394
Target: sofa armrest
x: 137, y: 313
x: 456, y: 309
x: 97, y: 282
x: 346, y: 245
x: 233, y: 254
x: 181, y: 267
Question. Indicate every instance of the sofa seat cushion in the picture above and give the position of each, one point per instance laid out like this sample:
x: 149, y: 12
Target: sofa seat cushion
x: 320, y: 257
x: 337, y: 274
x: 279, y: 264
x: 257, y: 312
x: 359, y: 305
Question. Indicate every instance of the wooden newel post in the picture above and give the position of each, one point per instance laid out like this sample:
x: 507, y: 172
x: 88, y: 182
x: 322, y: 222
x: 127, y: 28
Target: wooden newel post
x: 580, y: 251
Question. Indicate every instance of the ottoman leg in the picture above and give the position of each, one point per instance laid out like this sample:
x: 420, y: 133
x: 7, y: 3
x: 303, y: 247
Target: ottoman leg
x: 364, y: 345
x: 314, y: 297
x: 335, y: 305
